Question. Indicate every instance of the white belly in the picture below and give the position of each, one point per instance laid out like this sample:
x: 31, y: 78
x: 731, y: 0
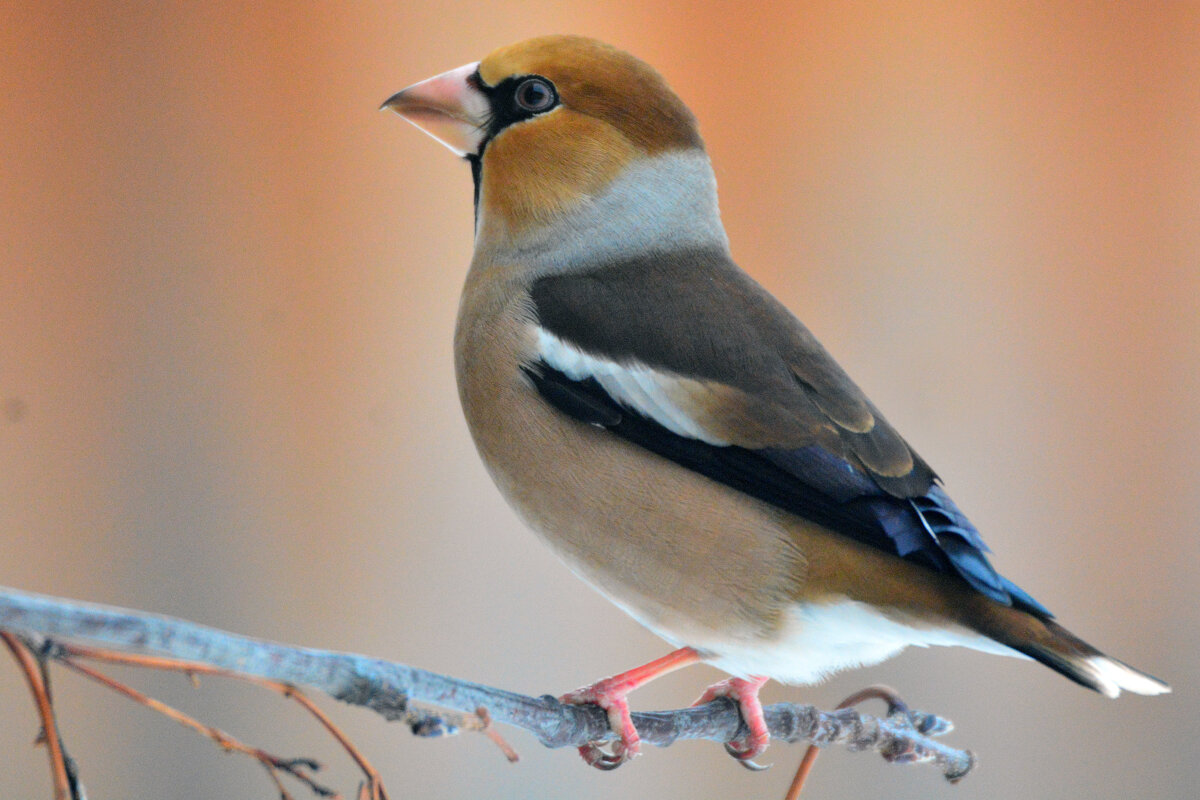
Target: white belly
x: 819, y: 640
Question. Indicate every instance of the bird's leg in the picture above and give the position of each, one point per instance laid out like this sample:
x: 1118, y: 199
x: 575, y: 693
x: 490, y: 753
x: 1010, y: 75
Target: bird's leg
x: 609, y: 694
x: 745, y: 692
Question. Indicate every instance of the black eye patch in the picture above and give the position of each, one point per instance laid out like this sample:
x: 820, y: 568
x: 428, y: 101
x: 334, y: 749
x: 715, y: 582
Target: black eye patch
x: 516, y: 99
x: 512, y: 100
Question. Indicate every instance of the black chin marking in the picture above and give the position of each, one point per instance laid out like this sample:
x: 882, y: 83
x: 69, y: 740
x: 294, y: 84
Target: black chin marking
x: 476, y: 161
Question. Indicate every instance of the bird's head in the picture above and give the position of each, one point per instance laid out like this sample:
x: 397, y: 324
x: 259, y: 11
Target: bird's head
x: 551, y: 124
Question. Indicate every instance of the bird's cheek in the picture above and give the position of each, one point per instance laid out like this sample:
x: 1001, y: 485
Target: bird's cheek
x: 536, y: 171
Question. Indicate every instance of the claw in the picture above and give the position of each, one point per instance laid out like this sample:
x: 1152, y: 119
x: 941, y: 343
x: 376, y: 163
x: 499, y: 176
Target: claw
x: 743, y: 760
x: 745, y: 692
x: 610, y: 694
x: 596, y: 756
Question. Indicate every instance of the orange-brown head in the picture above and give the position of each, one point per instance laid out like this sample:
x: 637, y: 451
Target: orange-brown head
x: 548, y: 122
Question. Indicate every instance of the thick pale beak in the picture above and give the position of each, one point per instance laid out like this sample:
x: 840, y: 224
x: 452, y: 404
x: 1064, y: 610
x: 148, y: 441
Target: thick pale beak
x: 447, y: 107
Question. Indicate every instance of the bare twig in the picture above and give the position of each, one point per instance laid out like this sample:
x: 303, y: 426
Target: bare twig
x: 298, y: 768
x: 489, y: 730
x: 41, y: 698
x: 897, y: 751
x: 373, y: 783
x: 389, y: 688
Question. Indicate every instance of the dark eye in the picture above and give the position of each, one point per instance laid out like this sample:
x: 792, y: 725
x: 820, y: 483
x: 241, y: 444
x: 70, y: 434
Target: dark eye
x: 535, y: 94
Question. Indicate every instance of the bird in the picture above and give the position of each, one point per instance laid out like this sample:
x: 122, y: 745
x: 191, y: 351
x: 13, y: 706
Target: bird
x: 673, y: 432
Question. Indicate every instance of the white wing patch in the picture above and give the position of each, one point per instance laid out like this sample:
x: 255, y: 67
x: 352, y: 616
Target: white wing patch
x: 657, y: 395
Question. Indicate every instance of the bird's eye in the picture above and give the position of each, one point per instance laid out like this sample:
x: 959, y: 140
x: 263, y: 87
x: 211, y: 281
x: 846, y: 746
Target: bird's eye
x: 535, y: 94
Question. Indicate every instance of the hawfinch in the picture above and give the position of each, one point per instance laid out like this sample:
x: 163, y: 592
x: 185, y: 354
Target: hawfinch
x: 677, y: 437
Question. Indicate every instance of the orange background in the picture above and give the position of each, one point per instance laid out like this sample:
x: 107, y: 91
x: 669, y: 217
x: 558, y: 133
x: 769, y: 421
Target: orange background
x: 227, y: 291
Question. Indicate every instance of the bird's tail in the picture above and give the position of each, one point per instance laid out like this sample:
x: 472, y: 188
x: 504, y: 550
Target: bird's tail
x: 1046, y: 641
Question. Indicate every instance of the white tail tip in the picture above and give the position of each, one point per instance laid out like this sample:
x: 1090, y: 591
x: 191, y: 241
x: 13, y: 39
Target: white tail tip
x: 1112, y: 676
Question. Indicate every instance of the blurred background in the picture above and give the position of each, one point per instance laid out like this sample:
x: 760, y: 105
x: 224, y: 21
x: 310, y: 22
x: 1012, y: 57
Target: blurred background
x: 227, y: 293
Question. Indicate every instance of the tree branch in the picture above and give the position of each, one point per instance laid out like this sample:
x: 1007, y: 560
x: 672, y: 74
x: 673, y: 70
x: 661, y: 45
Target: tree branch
x: 388, y: 687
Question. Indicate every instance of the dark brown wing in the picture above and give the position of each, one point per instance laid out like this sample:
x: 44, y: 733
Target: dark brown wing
x: 696, y: 314
x: 685, y: 355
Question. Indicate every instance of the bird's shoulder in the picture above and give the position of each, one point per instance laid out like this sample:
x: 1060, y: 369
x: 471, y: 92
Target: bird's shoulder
x: 691, y: 326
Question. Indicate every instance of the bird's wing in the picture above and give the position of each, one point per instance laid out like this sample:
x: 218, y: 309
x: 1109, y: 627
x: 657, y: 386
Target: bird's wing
x: 685, y: 355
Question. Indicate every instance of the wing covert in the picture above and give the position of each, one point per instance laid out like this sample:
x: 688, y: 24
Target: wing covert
x: 694, y: 315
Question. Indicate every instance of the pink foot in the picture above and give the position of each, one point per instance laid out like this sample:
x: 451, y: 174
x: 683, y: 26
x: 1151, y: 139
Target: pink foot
x: 610, y: 694
x: 745, y: 692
